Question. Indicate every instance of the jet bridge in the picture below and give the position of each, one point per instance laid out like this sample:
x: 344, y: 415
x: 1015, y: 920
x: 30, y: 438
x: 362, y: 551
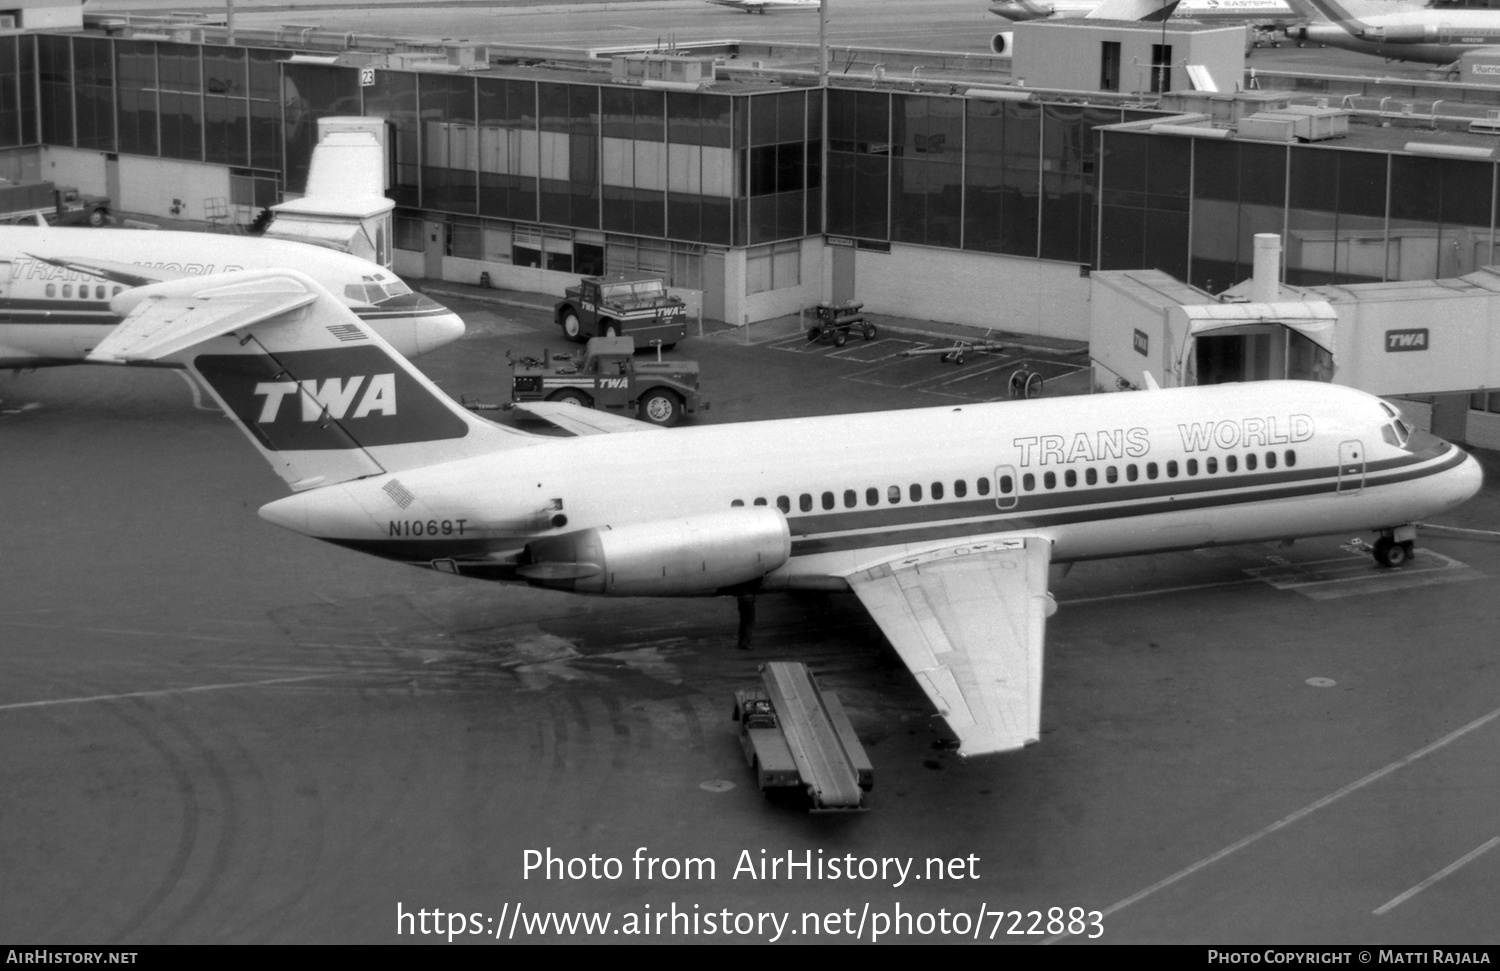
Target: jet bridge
x: 1437, y: 341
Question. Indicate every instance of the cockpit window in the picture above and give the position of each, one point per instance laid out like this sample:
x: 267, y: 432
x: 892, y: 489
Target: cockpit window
x: 375, y: 293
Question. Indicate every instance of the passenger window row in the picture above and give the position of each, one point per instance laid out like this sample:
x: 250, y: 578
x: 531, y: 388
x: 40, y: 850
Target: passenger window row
x: 893, y: 495
x: 1153, y: 470
x: 874, y: 496
x: 83, y: 291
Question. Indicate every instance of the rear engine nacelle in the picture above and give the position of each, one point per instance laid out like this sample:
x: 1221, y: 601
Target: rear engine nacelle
x: 1002, y: 42
x: 675, y: 557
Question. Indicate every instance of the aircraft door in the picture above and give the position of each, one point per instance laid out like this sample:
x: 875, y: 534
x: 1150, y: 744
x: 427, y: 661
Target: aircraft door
x: 1351, y: 468
x: 1007, y: 487
x: 434, y: 248
x: 6, y: 268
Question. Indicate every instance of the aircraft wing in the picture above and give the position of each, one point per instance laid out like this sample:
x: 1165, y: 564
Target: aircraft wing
x: 128, y: 274
x: 162, y: 323
x: 968, y: 620
x: 578, y: 420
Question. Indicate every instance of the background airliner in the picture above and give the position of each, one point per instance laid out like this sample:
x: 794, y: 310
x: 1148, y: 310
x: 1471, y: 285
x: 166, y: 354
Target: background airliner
x: 761, y: 6
x: 1263, y: 15
x: 1208, y: 11
x: 56, y: 284
x: 1411, y: 33
x: 943, y: 521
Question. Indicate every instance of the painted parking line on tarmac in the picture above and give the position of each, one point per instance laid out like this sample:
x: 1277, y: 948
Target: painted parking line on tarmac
x: 1297, y: 816
x: 1357, y: 576
x: 1448, y: 870
x: 868, y: 352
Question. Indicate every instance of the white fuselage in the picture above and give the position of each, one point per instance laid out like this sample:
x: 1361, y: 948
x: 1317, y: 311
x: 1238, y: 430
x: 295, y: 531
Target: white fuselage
x: 1205, y: 11
x: 1427, y: 36
x: 53, y: 314
x: 1098, y: 476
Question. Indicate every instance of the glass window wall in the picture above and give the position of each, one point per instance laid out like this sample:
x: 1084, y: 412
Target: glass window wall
x: 55, y: 88
x: 450, y: 143
x: 927, y: 170
x: 508, y: 148
x: 94, y: 93
x: 859, y: 164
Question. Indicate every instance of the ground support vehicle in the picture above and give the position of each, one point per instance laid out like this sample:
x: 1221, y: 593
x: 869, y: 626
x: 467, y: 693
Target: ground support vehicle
x: 614, y: 306
x: 835, y: 321
x: 795, y: 735
x: 24, y: 202
x: 961, y: 348
x: 1025, y: 383
x: 610, y: 378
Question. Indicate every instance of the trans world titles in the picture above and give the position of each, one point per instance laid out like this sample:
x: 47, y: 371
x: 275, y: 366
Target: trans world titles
x: 544, y: 864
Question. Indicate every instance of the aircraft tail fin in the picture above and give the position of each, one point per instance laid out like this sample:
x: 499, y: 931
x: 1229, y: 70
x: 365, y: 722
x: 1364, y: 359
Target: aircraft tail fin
x: 1330, y: 10
x: 322, y: 397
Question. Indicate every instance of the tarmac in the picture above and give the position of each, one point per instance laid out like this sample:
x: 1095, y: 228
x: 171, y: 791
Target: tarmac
x: 936, y: 333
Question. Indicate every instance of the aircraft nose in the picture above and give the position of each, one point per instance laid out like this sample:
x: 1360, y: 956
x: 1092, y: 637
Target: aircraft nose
x: 1469, y: 479
x: 439, y: 330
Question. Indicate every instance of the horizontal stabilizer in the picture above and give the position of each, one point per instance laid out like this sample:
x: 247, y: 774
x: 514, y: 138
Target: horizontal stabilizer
x: 578, y: 420
x: 166, y: 318
x: 323, y: 397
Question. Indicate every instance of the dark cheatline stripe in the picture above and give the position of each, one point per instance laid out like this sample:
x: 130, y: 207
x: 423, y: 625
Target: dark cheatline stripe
x: 1082, y: 506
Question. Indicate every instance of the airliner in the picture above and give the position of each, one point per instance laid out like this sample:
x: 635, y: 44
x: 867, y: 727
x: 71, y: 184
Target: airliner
x: 761, y: 6
x: 1262, y: 14
x: 942, y: 521
x: 1207, y: 11
x: 1425, y: 35
x: 56, y: 284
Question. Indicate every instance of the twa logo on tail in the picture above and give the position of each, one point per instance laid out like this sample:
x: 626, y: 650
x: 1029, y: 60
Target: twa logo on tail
x: 332, y: 398
x: 338, y: 398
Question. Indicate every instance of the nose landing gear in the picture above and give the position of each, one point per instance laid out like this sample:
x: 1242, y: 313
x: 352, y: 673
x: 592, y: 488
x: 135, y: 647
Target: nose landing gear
x: 1396, y: 547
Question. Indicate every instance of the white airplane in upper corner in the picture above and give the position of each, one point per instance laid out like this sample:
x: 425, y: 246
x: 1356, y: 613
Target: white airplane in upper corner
x: 1266, y: 12
x: 56, y: 284
x: 942, y: 521
x: 761, y: 6
x: 1264, y: 15
x: 1432, y: 35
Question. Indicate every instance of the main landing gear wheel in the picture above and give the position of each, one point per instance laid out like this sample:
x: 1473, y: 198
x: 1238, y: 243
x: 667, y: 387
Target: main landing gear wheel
x: 1391, y: 554
x: 572, y: 398
x: 661, y: 408
x: 572, y: 329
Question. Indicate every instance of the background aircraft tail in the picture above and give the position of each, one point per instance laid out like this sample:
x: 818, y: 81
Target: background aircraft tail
x: 1330, y: 10
x: 322, y: 397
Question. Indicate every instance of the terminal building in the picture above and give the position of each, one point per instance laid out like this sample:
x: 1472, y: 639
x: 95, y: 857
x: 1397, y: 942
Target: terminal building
x: 971, y: 196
